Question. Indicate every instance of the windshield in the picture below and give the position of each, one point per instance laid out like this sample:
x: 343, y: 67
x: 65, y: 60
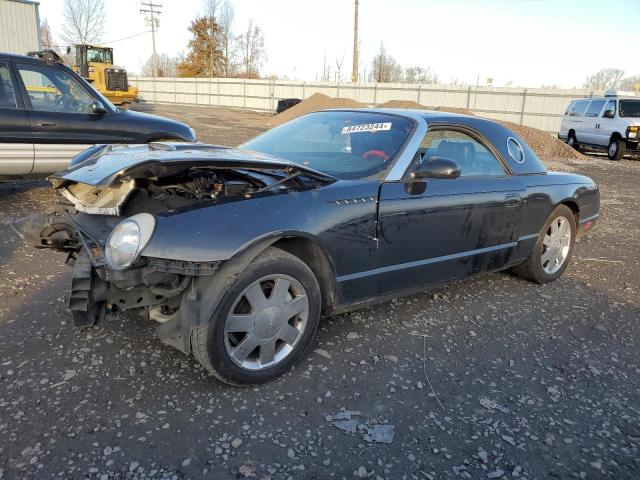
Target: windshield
x: 630, y: 108
x: 100, y: 55
x: 346, y: 145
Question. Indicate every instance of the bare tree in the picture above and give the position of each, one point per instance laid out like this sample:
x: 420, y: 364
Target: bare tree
x: 166, y: 65
x: 47, y: 36
x: 385, y: 68
x: 325, y: 75
x: 83, y: 21
x: 252, y: 52
x: 605, y: 78
x: 631, y: 83
x: 339, y: 68
x: 420, y: 75
x: 227, y: 38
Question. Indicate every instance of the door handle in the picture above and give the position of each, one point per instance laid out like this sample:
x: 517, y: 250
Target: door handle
x: 512, y: 200
x: 46, y: 124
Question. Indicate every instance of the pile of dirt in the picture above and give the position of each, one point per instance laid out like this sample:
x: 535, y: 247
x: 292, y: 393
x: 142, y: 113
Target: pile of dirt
x: 317, y: 101
x: 461, y: 111
x: 402, y: 104
x: 410, y: 104
x: 542, y: 143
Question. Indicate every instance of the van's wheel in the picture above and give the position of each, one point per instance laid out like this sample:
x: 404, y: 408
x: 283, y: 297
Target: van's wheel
x: 553, y: 249
x: 264, y: 322
x: 572, y: 141
x: 616, y: 148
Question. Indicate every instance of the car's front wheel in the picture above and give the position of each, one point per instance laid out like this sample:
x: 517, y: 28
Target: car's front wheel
x: 616, y: 149
x: 264, y: 322
x: 572, y: 141
x: 553, y: 249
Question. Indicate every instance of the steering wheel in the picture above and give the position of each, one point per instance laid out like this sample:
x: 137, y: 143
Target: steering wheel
x: 375, y: 153
x: 63, y: 102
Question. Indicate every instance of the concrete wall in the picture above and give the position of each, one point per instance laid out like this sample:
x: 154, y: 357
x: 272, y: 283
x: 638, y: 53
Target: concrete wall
x: 19, y: 26
x: 535, y: 107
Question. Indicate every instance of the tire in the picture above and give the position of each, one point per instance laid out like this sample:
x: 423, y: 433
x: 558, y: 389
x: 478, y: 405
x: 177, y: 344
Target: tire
x: 223, y: 346
x: 616, y: 149
x: 572, y: 141
x: 537, y: 268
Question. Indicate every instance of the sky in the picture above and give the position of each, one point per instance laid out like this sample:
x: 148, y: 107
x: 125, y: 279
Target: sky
x: 528, y: 43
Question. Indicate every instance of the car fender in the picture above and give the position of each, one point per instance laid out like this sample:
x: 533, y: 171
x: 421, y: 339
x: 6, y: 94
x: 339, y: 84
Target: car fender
x: 205, y: 293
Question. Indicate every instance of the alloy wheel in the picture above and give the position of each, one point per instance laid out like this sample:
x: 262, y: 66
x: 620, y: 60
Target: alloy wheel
x: 266, y: 322
x: 556, y: 245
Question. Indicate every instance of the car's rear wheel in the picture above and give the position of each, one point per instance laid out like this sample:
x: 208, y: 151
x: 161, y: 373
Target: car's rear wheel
x: 264, y: 322
x: 616, y: 148
x: 553, y: 249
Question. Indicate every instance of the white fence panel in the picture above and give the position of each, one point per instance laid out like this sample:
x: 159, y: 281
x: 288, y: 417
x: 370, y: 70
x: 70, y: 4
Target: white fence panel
x: 535, y: 107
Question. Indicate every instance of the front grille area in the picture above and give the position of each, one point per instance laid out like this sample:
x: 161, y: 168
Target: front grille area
x: 116, y: 80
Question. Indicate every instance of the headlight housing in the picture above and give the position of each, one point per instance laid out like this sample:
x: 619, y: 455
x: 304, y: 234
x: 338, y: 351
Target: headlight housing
x: 128, y: 239
x: 632, y: 132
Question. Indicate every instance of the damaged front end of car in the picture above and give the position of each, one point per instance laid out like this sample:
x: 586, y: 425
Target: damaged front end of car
x: 107, y: 212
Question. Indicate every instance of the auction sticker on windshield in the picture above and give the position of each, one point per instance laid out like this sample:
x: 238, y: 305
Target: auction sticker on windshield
x: 367, y: 127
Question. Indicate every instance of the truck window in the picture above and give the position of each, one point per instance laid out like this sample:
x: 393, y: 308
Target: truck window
x: 611, y: 105
x: 7, y: 96
x: 578, y: 108
x: 630, y: 108
x: 54, y: 90
x: 595, y: 108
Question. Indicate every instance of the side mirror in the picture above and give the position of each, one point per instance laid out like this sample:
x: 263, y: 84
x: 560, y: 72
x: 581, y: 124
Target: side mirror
x: 609, y: 114
x: 436, y: 167
x: 98, y: 107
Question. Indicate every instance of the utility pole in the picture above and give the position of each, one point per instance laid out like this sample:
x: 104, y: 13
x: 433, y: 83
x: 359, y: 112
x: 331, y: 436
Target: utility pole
x: 354, y: 70
x: 152, y: 21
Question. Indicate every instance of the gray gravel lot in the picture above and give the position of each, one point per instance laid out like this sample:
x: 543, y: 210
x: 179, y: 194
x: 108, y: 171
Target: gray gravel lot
x: 490, y: 377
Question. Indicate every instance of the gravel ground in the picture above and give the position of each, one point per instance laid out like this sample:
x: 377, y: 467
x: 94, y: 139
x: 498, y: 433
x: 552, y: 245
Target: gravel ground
x: 490, y: 377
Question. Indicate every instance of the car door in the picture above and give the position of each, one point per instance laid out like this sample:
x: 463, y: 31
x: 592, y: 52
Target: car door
x: 606, y: 124
x: 61, y: 114
x: 591, y: 121
x: 16, y: 143
x: 442, y: 229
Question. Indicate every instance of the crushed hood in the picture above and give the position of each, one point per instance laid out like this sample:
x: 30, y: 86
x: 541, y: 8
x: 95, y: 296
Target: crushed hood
x: 120, y: 163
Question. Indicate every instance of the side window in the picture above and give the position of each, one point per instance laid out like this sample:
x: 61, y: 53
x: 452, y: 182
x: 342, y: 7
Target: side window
x: 570, y: 108
x: 54, y: 90
x: 610, y: 109
x: 595, y: 108
x: 578, y: 108
x: 473, y: 157
x: 7, y: 95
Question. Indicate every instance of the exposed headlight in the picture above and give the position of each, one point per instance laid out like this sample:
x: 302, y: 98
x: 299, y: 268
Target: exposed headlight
x: 632, y: 134
x: 128, y: 239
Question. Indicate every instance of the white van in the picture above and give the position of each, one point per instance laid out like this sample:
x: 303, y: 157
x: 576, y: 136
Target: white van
x: 611, y: 122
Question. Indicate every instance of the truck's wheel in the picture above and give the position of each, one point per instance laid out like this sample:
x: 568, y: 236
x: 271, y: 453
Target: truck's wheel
x: 616, y: 148
x: 264, y: 322
x: 572, y: 141
x: 553, y: 249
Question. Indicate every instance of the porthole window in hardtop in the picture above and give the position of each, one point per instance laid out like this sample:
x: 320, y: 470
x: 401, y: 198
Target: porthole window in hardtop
x: 516, y: 152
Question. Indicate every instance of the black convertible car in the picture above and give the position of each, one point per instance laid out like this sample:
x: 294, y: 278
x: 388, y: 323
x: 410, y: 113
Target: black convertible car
x: 237, y: 253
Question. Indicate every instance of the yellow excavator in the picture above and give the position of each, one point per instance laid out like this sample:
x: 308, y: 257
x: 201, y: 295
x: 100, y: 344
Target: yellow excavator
x: 95, y: 64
